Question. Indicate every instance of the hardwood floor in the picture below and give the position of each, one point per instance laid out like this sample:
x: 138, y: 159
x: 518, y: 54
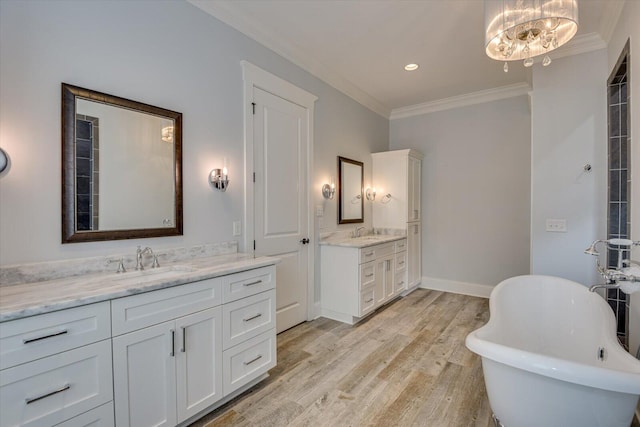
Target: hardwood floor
x: 405, y: 365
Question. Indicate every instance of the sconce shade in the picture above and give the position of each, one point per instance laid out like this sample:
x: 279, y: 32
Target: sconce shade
x: 219, y: 179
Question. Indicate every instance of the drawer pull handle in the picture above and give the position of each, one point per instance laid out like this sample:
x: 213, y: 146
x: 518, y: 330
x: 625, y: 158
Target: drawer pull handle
x: 369, y: 253
x: 65, y: 387
x: 184, y: 339
x: 368, y: 275
x: 172, y: 353
x: 368, y: 301
x: 401, y: 263
x: 55, y: 334
x: 252, y: 317
x: 255, y: 359
x: 257, y: 282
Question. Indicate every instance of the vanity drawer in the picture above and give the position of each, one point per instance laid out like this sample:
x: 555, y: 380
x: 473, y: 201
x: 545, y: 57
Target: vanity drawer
x: 251, y: 282
x: 48, y: 391
x: 147, y: 309
x: 31, y: 338
x: 400, y: 282
x: 101, y: 416
x: 367, y: 300
x: 400, y: 245
x: 372, y: 252
x: 400, y: 261
x: 367, y: 274
x: 248, y: 317
x: 248, y: 360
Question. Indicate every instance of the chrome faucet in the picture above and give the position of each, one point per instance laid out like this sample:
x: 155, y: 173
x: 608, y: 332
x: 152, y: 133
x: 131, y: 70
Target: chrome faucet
x: 612, y: 276
x: 140, y: 252
x: 356, y: 232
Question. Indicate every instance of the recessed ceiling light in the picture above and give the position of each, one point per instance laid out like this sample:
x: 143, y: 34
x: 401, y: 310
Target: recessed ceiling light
x: 411, y: 67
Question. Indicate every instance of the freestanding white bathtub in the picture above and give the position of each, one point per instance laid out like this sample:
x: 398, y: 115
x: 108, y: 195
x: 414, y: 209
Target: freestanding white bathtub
x: 550, y: 357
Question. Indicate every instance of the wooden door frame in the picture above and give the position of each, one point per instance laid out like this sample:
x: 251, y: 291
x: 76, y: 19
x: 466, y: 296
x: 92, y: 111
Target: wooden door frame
x: 255, y: 77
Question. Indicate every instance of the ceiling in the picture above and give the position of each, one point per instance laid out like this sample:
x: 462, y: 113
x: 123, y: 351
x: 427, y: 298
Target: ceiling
x: 361, y: 46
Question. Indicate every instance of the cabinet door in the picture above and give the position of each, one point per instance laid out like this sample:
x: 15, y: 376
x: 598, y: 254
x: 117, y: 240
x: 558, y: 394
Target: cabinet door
x: 413, y: 196
x: 414, y: 254
x: 198, y: 361
x: 144, y: 377
x: 384, y: 279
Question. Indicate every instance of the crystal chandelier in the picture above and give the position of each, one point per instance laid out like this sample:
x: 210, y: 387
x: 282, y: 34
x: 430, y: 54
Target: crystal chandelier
x: 524, y: 29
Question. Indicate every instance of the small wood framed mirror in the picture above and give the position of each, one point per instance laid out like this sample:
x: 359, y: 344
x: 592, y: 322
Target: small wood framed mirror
x: 350, y: 179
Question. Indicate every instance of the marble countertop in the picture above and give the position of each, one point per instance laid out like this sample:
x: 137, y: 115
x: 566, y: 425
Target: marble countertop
x: 29, y: 299
x: 360, y: 242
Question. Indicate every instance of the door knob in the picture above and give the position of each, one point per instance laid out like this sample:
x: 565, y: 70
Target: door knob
x: 304, y: 241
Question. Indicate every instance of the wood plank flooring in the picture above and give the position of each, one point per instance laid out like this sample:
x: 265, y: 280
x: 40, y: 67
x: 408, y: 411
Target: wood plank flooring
x: 406, y: 365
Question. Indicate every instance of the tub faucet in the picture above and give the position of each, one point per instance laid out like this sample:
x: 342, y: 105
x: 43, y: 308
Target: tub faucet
x: 356, y: 232
x: 139, y: 253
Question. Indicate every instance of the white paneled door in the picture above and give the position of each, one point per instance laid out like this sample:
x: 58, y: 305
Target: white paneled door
x: 281, y: 141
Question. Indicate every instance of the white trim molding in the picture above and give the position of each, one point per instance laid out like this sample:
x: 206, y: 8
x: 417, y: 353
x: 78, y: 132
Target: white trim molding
x: 291, y: 53
x: 610, y: 17
x: 580, y: 44
x: 464, y: 288
x: 479, y: 97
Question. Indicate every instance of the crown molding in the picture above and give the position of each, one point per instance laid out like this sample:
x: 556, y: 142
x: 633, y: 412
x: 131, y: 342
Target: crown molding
x: 580, y: 44
x: 610, y: 17
x: 479, y: 97
x: 290, y: 52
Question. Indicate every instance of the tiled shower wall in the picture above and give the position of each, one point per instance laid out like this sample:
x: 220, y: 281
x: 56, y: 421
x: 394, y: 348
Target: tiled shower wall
x: 619, y: 217
x: 87, y: 146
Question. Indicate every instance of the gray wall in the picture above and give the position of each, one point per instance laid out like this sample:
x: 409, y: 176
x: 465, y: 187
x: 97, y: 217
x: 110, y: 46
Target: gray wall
x: 475, y: 189
x: 169, y: 54
x: 568, y: 123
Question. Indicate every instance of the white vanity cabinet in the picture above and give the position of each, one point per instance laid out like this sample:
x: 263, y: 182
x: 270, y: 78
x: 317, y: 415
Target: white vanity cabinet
x: 356, y: 281
x: 158, y: 358
x: 170, y: 345
x: 56, y: 366
x: 167, y: 372
x: 398, y: 174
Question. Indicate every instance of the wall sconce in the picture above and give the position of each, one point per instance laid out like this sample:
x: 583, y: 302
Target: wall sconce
x: 219, y: 178
x: 4, y: 160
x: 386, y: 198
x: 329, y: 190
x: 370, y: 193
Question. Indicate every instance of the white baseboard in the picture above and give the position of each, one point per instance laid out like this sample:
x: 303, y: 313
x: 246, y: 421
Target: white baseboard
x: 472, y: 289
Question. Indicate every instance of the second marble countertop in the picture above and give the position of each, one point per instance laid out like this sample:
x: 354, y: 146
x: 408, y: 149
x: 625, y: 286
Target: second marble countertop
x: 362, y: 241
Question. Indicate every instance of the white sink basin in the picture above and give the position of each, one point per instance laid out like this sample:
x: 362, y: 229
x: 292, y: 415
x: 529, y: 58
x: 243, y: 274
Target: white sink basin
x: 151, y: 274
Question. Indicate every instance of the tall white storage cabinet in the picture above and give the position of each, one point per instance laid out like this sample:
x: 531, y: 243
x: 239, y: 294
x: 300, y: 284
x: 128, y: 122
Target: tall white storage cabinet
x: 398, y: 174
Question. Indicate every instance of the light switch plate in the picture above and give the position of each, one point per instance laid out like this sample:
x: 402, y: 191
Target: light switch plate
x: 237, y: 228
x: 556, y: 225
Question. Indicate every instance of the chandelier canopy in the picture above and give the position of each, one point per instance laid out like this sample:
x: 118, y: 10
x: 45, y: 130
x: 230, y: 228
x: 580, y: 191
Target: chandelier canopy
x: 524, y: 29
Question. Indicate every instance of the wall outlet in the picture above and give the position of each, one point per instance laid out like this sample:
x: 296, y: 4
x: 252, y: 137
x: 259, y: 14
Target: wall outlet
x: 556, y: 225
x: 237, y: 228
x: 319, y: 210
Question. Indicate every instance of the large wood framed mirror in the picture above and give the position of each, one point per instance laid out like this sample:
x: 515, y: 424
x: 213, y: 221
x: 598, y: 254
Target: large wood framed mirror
x: 121, y: 168
x: 350, y: 179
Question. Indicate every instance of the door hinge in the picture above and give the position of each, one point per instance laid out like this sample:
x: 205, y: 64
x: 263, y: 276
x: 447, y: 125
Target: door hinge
x: 254, y: 245
x: 253, y: 105
x: 254, y: 177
